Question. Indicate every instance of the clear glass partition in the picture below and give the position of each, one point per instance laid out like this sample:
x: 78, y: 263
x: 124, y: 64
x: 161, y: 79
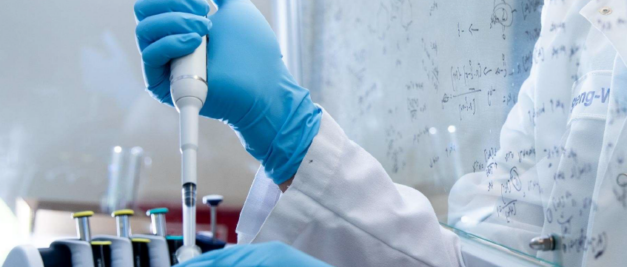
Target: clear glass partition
x: 456, y: 99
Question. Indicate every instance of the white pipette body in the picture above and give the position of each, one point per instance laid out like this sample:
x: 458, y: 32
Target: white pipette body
x: 188, y: 88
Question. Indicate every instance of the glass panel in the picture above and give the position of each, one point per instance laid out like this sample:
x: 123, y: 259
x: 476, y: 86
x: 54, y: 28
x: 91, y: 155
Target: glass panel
x: 498, y: 120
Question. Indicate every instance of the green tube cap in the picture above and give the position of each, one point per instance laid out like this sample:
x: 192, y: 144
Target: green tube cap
x: 157, y: 211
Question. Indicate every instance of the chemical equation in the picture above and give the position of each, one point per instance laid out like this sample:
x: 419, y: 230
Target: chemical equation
x: 414, y: 106
x: 507, y: 206
x: 478, y: 70
x: 596, y: 244
x: 430, y: 66
x: 395, y: 149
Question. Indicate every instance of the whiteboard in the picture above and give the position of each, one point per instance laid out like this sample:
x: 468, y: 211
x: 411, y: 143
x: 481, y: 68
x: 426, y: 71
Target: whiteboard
x: 424, y: 86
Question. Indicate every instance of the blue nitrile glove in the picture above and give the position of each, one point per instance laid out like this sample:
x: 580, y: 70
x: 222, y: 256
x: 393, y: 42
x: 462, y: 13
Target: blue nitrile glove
x: 263, y: 254
x: 249, y: 86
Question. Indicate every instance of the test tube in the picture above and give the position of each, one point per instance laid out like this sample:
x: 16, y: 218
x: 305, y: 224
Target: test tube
x: 135, y: 159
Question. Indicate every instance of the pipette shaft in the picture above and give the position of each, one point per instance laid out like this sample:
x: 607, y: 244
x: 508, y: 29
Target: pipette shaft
x: 188, y: 87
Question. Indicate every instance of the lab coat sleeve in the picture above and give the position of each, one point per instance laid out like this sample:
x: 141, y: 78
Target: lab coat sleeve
x: 344, y: 209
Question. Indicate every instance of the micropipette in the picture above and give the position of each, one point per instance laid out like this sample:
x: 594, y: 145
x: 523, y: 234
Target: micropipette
x: 188, y: 87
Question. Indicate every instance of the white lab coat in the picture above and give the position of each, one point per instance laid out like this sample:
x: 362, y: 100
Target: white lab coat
x: 555, y: 173
x: 563, y: 146
x: 343, y: 208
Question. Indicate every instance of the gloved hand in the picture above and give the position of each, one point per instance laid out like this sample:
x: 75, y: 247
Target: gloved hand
x: 263, y: 254
x: 249, y: 86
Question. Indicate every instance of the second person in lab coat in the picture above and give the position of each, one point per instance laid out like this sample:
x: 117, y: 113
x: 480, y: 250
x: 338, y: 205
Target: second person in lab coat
x: 339, y: 204
x: 560, y: 168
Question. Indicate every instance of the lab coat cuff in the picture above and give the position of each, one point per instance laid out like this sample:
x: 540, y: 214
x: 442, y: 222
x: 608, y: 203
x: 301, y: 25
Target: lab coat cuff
x: 313, y: 177
x: 322, y: 160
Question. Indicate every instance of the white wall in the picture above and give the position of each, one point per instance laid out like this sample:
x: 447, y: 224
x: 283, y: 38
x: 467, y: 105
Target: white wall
x: 71, y: 88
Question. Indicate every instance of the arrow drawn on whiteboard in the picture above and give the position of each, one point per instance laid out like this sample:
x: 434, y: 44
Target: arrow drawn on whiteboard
x: 447, y: 97
x: 470, y: 29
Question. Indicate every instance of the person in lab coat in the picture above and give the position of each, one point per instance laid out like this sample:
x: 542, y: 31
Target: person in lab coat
x: 560, y: 169
x: 339, y: 206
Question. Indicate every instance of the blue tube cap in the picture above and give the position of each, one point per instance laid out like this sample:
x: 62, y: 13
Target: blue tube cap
x: 157, y: 211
